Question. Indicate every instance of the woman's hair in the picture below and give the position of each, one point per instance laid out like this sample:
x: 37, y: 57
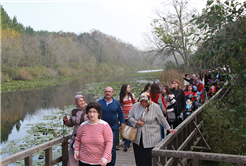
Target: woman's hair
x: 177, y: 81
x: 123, y: 93
x: 97, y: 106
x: 186, y: 89
x: 199, y: 76
x: 155, y: 89
x: 147, y: 87
x: 167, y: 89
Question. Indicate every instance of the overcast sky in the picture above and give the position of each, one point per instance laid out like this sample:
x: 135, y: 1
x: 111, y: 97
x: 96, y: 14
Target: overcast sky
x: 126, y: 20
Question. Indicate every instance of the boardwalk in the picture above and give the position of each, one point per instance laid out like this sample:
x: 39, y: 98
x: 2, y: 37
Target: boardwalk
x: 125, y: 158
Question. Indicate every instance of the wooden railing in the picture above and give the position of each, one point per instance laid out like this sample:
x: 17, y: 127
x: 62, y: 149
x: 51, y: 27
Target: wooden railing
x: 177, y: 149
x: 47, y: 147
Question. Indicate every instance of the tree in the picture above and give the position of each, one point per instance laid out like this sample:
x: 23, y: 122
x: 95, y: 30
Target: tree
x: 171, y: 32
x: 224, y: 43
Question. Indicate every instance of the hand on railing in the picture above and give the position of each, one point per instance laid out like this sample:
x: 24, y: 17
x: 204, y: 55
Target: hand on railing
x: 172, y: 131
x: 76, y: 155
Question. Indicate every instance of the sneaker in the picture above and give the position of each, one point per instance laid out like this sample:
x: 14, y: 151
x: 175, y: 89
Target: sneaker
x: 125, y: 148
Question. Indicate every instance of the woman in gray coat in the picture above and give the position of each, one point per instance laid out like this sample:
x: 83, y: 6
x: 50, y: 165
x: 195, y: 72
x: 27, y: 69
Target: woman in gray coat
x: 78, y: 116
x: 146, y: 116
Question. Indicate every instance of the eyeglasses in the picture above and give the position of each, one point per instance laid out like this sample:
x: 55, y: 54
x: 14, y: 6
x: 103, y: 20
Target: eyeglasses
x: 94, y: 112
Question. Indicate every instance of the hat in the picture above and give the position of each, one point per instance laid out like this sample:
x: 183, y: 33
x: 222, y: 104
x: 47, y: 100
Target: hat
x: 145, y: 96
x: 193, y: 75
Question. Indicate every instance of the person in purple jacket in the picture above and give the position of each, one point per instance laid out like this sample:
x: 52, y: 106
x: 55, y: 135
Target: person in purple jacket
x: 78, y: 115
x: 112, y: 110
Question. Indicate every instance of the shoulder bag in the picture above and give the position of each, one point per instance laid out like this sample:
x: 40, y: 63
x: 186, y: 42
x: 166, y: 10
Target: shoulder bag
x: 129, y: 132
x: 160, y: 103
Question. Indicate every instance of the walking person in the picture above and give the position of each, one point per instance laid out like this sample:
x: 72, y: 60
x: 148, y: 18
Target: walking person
x: 157, y: 98
x: 200, y: 89
x: 191, y: 91
x: 147, y: 89
x: 94, y: 140
x: 158, y: 83
x: 111, y: 109
x: 170, y: 101
x: 207, y: 78
x: 78, y: 115
x: 147, y: 116
x: 180, y: 102
x: 126, y: 99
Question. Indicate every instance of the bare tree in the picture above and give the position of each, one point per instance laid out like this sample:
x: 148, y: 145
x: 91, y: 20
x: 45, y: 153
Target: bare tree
x: 171, y: 31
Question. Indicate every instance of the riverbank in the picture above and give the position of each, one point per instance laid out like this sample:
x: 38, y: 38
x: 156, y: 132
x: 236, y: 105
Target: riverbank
x: 48, y: 81
x: 40, y: 110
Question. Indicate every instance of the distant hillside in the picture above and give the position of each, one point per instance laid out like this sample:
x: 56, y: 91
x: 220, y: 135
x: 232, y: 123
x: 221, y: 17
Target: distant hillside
x: 28, y: 54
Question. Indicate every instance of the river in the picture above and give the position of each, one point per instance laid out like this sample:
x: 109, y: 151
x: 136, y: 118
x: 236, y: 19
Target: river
x: 20, y: 108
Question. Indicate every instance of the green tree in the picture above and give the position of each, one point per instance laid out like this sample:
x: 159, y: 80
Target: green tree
x: 223, y: 42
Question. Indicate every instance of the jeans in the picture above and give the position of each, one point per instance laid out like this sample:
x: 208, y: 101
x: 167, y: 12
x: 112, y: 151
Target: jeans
x: 127, y: 142
x: 162, y: 132
x: 196, y: 104
x: 112, y: 163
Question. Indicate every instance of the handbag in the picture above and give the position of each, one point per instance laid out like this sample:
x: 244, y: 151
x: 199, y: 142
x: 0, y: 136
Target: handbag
x: 171, y: 116
x: 160, y: 103
x: 128, y: 132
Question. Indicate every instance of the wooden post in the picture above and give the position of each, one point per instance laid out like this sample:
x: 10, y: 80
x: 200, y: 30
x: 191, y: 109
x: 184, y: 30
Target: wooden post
x: 28, y: 161
x: 64, y: 153
x: 154, y: 160
x: 48, y: 157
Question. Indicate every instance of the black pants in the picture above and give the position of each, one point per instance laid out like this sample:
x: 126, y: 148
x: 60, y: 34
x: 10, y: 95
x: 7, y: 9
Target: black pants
x: 142, y: 155
x: 84, y: 164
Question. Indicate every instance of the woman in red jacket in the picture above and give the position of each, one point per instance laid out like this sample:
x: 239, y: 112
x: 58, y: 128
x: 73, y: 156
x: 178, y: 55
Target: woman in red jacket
x: 190, y: 91
x: 157, y: 98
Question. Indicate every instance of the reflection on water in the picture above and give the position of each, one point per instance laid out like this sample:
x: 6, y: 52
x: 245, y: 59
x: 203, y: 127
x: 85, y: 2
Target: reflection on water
x: 29, y: 106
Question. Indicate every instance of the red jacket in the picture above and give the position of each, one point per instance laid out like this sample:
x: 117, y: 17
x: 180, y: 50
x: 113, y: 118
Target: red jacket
x: 155, y: 100
x: 200, y: 88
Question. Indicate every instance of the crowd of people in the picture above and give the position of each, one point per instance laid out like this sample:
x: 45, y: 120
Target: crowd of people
x: 158, y: 109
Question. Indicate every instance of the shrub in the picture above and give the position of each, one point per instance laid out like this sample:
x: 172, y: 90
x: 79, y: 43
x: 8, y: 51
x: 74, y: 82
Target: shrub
x: 168, y: 76
x: 4, y: 77
x: 62, y: 71
x: 23, y: 74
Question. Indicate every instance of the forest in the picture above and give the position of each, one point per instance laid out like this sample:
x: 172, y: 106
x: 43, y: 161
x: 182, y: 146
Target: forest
x: 28, y: 54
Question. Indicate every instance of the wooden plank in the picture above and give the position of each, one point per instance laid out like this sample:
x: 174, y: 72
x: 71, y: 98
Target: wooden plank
x: 201, y: 156
x: 48, y: 157
x: 201, y: 135
x: 64, y: 153
x: 57, y: 160
x: 125, y: 158
x: 25, y: 153
x: 28, y: 161
x: 201, y: 148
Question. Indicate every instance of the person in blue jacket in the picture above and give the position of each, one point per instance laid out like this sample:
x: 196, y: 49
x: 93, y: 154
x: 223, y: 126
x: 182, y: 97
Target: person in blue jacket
x: 112, y: 110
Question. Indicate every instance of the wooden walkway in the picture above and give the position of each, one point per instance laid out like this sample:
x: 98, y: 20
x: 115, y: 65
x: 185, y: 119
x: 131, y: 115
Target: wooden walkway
x: 125, y: 158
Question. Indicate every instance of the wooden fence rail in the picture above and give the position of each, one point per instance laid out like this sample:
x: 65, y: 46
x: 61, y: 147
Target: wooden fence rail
x: 176, y: 149
x: 47, y: 147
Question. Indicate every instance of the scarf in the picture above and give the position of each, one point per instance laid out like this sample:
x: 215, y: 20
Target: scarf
x: 76, y: 98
